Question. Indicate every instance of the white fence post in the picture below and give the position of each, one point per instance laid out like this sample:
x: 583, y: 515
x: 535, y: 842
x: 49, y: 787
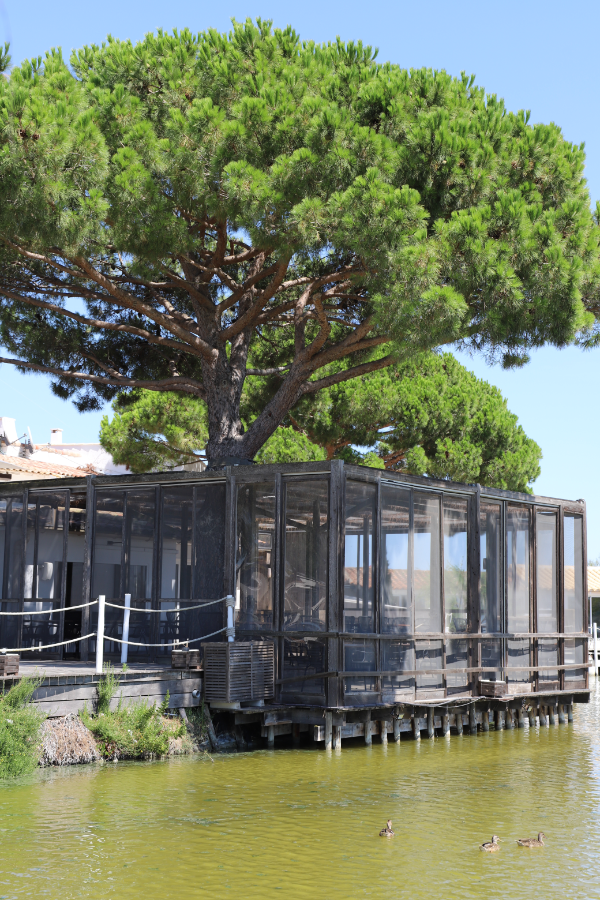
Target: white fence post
x: 230, y: 603
x: 595, y: 649
x: 126, y: 614
x: 100, y: 635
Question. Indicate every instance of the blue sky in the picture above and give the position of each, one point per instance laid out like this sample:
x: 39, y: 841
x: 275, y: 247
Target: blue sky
x: 540, y: 56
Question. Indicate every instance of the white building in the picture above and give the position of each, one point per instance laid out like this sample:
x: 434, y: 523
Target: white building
x: 22, y: 460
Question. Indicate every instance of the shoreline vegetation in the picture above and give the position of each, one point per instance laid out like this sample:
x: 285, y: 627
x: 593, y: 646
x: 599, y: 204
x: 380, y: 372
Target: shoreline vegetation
x: 134, y: 731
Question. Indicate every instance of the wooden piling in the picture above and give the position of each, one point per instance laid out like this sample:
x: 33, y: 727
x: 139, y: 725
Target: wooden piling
x: 296, y: 734
x: 569, y: 712
x: 368, y: 733
x: 472, y: 719
x: 430, y: 723
x: 270, y: 735
x: 485, y: 720
x: 416, y: 726
x: 337, y: 737
x: 397, y: 729
x: 532, y: 716
x: 499, y: 723
x: 445, y: 724
x: 520, y: 717
x: 509, y: 719
x: 551, y: 718
x: 384, y: 727
x: 561, y: 714
x: 459, y: 722
x: 543, y: 720
x: 328, y: 730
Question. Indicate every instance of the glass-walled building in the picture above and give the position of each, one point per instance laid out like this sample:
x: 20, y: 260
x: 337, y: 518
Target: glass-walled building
x: 375, y: 588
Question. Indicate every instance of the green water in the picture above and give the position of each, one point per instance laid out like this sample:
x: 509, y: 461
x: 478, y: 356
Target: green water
x: 305, y: 822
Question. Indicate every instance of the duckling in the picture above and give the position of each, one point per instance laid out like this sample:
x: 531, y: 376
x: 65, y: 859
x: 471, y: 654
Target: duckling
x: 532, y: 842
x: 387, y: 831
x: 491, y: 846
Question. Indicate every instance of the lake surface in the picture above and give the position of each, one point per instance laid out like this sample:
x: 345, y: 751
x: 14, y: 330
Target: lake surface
x: 305, y: 822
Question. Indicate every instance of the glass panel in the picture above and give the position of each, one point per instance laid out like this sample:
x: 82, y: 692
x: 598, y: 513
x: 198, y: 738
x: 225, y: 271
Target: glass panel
x: 176, y: 548
x: 3, y: 505
x: 457, y: 657
x: 305, y: 570
x: 209, y: 554
x: 573, y: 528
x: 255, y: 548
x: 517, y: 570
x: 429, y: 656
x: 108, y: 542
x: 547, y: 610
x: 360, y: 657
x: 427, y: 563
x: 517, y: 655
x: 74, y: 580
x: 491, y: 657
x: 303, y: 658
x: 548, y: 656
x: 361, y: 504
x: 395, y: 520
x: 455, y: 564
x: 28, y: 575
x: 397, y: 656
x: 40, y: 629
x: 9, y: 625
x: 574, y: 653
x: 490, y: 527
x: 139, y: 543
x: 47, y: 583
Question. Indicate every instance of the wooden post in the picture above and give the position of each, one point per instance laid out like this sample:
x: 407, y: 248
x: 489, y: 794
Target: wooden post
x: 543, y: 720
x: 337, y: 737
x: 397, y: 729
x: 532, y: 716
x: 551, y: 719
x: 520, y: 717
x: 430, y: 723
x: 459, y: 722
x: 296, y: 734
x: 561, y: 714
x: 509, y: 719
x: 368, y: 734
x: 485, y: 720
x: 416, y: 726
x: 328, y: 729
x: 445, y: 723
x: 270, y: 736
x: 384, y: 727
x: 499, y: 723
x: 569, y: 712
x: 472, y: 719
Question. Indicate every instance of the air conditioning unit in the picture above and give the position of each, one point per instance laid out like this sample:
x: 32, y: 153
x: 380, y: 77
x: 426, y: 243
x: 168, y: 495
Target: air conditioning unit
x: 237, y: 672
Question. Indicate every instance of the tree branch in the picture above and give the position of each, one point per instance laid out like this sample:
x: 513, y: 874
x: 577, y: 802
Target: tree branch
x: 178, y: 382
x: 311, y: 387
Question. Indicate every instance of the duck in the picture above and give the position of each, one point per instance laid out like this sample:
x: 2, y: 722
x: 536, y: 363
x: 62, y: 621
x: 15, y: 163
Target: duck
x: 387, y: 831
x: 532, y: 842
x: 491, y: 846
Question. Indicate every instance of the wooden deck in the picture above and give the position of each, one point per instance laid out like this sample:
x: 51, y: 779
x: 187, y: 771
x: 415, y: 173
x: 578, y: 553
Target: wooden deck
x: 68, y: 686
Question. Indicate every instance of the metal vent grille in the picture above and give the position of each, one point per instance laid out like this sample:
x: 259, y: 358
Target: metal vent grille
x: 239, y: 671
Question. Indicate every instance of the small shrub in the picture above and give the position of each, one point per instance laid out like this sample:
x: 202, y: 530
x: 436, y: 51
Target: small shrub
x: 20, y: 725
x: 135, y: 731
x: 107, y: 688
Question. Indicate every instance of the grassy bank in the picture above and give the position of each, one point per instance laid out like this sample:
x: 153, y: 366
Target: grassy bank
x: 113, y: 731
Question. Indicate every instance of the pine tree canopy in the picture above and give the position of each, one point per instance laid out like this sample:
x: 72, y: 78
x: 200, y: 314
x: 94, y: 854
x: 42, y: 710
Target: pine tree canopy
x: 429, y: 416
x: 174, y: 209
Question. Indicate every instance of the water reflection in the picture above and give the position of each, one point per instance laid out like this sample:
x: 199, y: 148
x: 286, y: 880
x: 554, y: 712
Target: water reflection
x: 307, y: 822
